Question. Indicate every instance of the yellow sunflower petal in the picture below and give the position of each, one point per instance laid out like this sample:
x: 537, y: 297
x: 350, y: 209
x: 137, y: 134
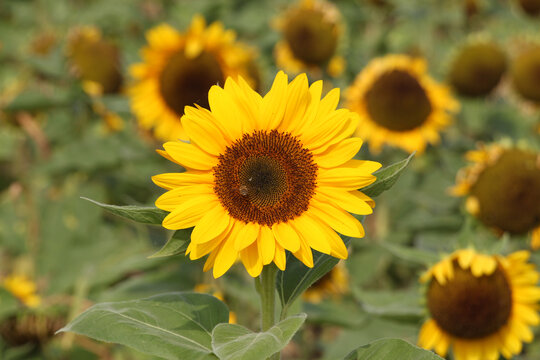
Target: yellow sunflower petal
x: 267, y: 245
x: 286, y: 236
x: 211, y: 225
x: 337, y: 219
x: 251, y: 260
x: 190, y: 156
x: 340, y: 153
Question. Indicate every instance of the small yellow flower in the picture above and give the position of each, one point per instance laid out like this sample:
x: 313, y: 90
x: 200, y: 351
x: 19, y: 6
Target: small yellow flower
x: 481, y: 306
x: 503, y: 189
x: 179, y: 69
x: 265, y: 175
x: 311, y: 33
x: 399, y: 104
x: 22, y: 288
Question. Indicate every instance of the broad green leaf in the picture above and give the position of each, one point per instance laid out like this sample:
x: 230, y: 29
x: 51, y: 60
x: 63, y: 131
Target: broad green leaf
x: 8, y: 303
x: 297, y: 277
x: 235, y: 342
x: 391, y: 349
x: 413, y: 255
x: 386, y: 177
x: 177, y: 244
x: 395, y: 304
x: 141, y: 214
x: 172, y: 326
x: 36, y: 100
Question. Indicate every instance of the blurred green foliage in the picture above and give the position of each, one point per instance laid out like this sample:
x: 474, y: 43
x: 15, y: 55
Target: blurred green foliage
x: 55, y: 149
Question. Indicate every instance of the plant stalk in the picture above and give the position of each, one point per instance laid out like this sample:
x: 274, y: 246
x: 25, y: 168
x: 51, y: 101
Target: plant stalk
x: 267, y: 292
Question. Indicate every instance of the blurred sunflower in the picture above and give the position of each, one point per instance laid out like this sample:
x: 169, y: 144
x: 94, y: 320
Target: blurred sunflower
x: 94, y: 60
x: 480, y: 305
x: 503, y: 189
x: 335, y: 283
x: 525, y: 72
x: 399, y: 104
x: 530, y: 7
x: 477, y: 68
x: 23, y: 289
x: 311, y: 33
x: 179, y: 69
x: 97, y: 63
x: 265, y: 175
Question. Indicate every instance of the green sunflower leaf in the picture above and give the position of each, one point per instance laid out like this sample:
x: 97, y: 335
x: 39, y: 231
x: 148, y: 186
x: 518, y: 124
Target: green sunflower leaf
x: 141, y: 214
x: 235, y: 342
x: 391, y: 349
x: 297, y: 277
x: 172, y: 326
x: 177, y: 244
x: 387, y: 177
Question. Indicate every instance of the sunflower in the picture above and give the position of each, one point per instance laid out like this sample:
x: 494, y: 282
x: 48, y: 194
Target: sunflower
x: 503, y: 189
x: 179, y: 69
x: 477, y: 68
x: 524, y: 72
x: 480, y: 305
x: 22, y: 288
x: 265, y: 175
x: 311, y: 33
x: 530, y: 7
x: 95, y: 61
x: 399, y: 104
x: 335, y: 283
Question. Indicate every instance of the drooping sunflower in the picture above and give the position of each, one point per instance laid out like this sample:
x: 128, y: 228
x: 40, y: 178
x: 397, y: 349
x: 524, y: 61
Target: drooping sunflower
x: 481, y: 306
x: 179, y: 69
x: 503, y: 189
x: 22, y: 288
x: 399, y: 104
x: 477, y: 68
x: 335, y: 283
x: 94, y: 60
x: 265, y: 175
x: 524, y: 72
x: 311, y: 32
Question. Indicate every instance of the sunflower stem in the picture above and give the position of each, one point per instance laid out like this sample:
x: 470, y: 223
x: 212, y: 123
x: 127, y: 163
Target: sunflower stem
x: 267, y: 292
x: 268, y: 296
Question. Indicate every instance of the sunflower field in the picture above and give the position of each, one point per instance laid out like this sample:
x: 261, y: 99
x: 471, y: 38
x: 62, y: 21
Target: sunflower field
x: 269, y: 179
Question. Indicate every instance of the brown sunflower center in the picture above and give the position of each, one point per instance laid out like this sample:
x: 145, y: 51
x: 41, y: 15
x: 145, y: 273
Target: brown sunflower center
x: 186, y: 81
x: 470, y: 307
x: 397, y: 101
x: 531, y: 7
x: 508, y: 192
x: 477, y: 69
x: 526, y: 74
x: 266, y: 178
x: 311, y: 38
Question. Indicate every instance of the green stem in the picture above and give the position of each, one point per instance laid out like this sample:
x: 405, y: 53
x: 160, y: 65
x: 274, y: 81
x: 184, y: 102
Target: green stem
x: 267, y: 291
x: 268, y: 296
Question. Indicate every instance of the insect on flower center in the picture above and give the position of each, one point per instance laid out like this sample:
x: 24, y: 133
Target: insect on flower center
x: 311, y: 38
x: 186, y: 81
x: 265, y: 177
x: 397, y: 101
x: 470, y: 307
x: 508, y: 192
